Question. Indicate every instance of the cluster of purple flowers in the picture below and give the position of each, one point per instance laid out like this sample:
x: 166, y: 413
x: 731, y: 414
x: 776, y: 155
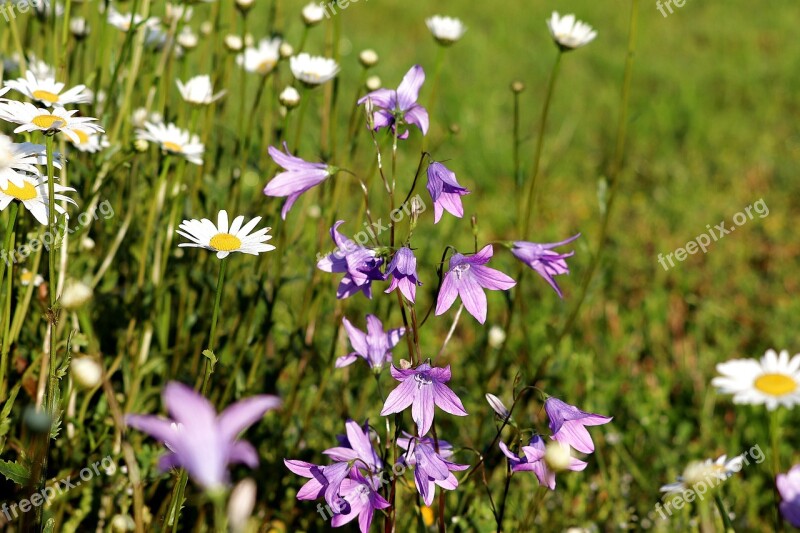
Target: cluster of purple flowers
x: 568, y: 428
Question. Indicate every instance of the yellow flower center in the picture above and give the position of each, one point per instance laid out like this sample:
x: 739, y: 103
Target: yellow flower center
x: 775, y: 384
x: 26, y: 192
x: 172, y: 147
x: 225, y: 242
x: 83, y: 137
x: 47, y: 122
x: 266, y: 66
x: 26, y: 277
x: 45, y: 96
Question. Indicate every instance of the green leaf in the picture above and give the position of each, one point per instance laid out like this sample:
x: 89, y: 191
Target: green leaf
x: 210, y: 355
x: 19, y: 474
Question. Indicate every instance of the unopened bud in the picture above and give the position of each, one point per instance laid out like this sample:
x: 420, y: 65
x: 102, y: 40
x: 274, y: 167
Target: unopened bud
x: 86, y: 372
x: 368, y: 58
x: 557, y: 456
x: 373, y: 83
x: 233, y: 43
x: 497, y: 406
x: 289, y: 97
x: 517, y: 87
x: 312, y: 14
x: 285, y: 50
x: 76, y: 295
x: 496, y: 336
x: 241, y: 504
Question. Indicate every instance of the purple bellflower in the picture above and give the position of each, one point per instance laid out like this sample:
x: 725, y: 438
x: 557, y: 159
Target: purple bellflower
x: 543, y: 260
x: 350, y: 485
x: 362, y: 500
x: 299, y: 176
x: 199, y: 440
x: 789, y: 488
x: 533, y: 461
x: 430, y: 468
x: 403, y: 268
x: 399, y: 106
x: 445, y: 191
x: 467, y: 278
x: 567, y: 424
x: 421, y: 388
x: 361, y: 265
x: 374, y: 346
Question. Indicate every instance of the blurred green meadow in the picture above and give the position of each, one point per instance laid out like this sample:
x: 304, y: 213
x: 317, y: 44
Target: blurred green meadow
x: 712, y: 129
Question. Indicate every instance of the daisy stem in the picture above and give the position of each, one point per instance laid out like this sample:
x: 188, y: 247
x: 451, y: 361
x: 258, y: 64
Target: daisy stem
x: 304, y: 97
x: 211, y: 361
x: 775, y: 439
x: 537, y: 154
x: 723, y: 512
x: 613, y: 174
x: 12, y: 218
x: 151, y: 219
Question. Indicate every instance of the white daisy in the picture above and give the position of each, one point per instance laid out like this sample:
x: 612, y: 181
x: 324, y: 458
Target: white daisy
x: 89, y: 141
x: 313, y: 70
x: 48, y: 91
x: 263, y: 59
x: 174, y: 140
x: 198, y: 90
x: 569, y: 33
x: 18, y: 158
x: 708, y: 472
x: 224, y: 240
x: 446, y: 30
x: 124, y: 22
x: 33, y: 118
x: 27, y: 277
x: 774, y: 381
x: 34, y: 196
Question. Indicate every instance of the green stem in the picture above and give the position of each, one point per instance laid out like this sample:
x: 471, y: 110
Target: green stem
x: 209, y: 367
x: 13, y: 209
x: 775, y: 439
x: 726, y: 519
x: 616, y: 167
x: 537, y: 155
x: 12, y: 218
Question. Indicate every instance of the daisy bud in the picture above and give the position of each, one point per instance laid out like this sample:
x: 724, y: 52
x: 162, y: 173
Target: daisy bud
x: 241, y: 504
x: 289, y: 97
x: 497, y: 406
x: 86, y: 372
x: 312, y: 14
x: 121, y: 523
x: 140, y: 145
x: 233, y: 43
x: 139, y: 117
x: 373, y: 83
x: 244, y: 5
x: 496, y: 336
x: 206, y: 27
x: 79, y: 28
x: 285, y: 50
x: 557, y: 456
x: 368, y: 58
x: 187, y: 39
x: 517, y: 87
x: 314, y: 211
x: 76, y: 295
x: 248, y: 39
x: 87, y: 244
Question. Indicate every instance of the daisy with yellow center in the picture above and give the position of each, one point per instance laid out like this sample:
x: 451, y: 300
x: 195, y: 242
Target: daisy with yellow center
x: 32, y: 118
x: 774, y: 380
x: 89, y: 141
x: 34, y: 197
x: 225, y: 239
x: 27, y: 277
x: 708, y: 472
x: 16, y: 159
x: 313, y: 70
x: 48, y: 91
x: 261, y: 60
x: 173, y: 140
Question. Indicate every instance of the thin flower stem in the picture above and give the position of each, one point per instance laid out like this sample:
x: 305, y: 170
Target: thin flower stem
x: 212, y: 336
x: 155, y: 209
x: 416, y: 176
x: 613, y: 177
x: 501, y: 513
x: 13, y: 209
x: 437, y: 71
x: 537, y: 154
x: 452, y: 329
x: 305, y: 96
x: 723, y: 512
x: 6, y: 308
x: 775, y: 439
